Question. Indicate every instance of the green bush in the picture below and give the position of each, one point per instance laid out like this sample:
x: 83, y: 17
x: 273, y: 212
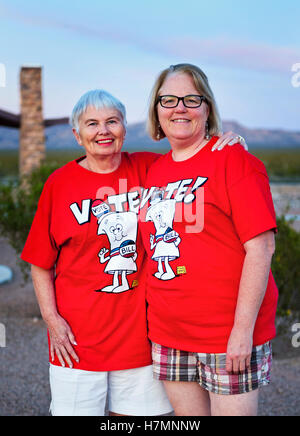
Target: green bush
x: 281, y: 164
x: 286, y: 267
x: 18, y: 206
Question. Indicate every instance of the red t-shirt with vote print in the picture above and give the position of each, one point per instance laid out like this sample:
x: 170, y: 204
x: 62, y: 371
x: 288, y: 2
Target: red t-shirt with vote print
x: 86, y: 226
x: 199, y: 214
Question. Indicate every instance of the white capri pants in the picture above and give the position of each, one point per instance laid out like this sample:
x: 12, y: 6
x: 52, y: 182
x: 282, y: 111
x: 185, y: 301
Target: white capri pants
x: 134, y: 392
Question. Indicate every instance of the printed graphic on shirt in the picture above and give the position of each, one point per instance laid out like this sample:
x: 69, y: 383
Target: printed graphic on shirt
x: 166, y: 241
x: 121, y: 231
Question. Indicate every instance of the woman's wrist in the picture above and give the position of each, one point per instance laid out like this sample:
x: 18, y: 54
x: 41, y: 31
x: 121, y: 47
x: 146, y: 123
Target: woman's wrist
x: 50, y: 316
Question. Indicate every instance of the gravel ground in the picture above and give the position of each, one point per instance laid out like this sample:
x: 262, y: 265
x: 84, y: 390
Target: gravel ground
x: 24, y: 388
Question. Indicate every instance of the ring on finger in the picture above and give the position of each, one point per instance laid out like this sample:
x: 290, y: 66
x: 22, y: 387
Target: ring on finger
x: 241, y: 139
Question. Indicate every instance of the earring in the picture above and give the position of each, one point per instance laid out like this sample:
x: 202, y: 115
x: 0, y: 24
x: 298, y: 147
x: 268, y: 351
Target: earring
x: 207, y: 135
x: 158, y: 132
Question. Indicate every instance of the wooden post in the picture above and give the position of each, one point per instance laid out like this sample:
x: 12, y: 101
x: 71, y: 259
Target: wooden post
x: 32, y: 137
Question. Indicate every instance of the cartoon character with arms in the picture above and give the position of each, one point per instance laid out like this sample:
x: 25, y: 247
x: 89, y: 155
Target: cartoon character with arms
x: 121, y: 231
x: 166, y: 240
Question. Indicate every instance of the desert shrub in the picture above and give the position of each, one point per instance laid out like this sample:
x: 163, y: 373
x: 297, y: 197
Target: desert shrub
x: 17, y: 208
x: 285, y: 267
x: 281, y: 164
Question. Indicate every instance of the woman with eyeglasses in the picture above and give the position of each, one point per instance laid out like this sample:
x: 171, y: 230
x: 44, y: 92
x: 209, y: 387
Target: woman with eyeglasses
x: 208, y: 229
x: 87, y: 268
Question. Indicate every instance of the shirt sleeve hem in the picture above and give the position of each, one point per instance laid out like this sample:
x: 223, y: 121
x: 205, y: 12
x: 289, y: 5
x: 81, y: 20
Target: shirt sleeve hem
x: 257, y: 232
x: 38, y: 263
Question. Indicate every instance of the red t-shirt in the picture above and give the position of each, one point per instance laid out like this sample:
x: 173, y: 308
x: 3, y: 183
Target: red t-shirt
x: 98, y: 256
x: 193, y: 232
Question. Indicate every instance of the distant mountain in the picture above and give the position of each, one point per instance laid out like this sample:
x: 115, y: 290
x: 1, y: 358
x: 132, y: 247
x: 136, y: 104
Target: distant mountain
x: 60, y: 136
x: 264, y: 137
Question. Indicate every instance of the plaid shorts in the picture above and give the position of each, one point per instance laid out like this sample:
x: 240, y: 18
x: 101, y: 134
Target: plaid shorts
x: 209, y: 370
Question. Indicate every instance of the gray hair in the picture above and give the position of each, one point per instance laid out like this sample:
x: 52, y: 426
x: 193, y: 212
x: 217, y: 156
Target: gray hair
x: 97, y: 98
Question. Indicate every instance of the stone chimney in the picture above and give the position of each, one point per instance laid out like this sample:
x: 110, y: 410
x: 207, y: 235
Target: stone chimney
x: 32, y: 138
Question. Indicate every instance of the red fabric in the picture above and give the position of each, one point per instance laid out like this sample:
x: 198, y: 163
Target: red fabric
x: 194, y: 310
x: 110, y: 328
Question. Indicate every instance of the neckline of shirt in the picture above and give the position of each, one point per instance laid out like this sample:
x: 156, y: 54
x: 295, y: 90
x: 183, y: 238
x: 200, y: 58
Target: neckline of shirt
x: 93, y: 173
x: 207, y: 146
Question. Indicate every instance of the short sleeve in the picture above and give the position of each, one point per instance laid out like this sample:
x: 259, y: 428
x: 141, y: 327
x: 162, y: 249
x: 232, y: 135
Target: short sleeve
x: 40, y: 248
x: 252, y: 208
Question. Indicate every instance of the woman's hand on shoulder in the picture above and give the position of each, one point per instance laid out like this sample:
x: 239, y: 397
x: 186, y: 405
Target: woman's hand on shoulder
x: 229, y: 138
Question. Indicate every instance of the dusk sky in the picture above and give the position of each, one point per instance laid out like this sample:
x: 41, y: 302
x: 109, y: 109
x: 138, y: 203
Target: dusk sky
x: 247, y: 49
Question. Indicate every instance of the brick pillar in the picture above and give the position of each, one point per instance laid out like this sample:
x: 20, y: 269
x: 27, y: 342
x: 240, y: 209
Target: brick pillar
x: 32, y: 138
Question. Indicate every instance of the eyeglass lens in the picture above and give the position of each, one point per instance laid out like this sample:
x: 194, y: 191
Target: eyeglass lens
x: 188, y: 100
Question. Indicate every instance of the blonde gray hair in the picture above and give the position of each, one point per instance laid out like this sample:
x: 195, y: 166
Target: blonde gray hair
x: 202, y: 86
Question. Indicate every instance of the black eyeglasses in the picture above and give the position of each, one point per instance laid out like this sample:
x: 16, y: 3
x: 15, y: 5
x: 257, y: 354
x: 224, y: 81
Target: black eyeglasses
x: 191, y: 101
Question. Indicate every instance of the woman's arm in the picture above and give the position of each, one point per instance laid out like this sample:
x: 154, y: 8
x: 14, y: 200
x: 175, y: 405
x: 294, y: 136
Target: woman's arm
x: 61, y: 336
x: 253, y: 284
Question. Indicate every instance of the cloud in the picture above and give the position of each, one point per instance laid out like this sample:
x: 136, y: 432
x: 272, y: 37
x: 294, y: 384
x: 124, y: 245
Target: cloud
x: 232, y: 53
x: 216, y: 51
x: 109, y: 34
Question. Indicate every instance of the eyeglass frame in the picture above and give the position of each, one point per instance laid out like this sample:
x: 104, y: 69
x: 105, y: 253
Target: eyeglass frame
x: 202, y: 98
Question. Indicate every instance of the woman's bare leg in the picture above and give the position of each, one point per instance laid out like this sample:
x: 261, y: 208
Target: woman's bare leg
x: 188, y: 398
x: 234, y: 405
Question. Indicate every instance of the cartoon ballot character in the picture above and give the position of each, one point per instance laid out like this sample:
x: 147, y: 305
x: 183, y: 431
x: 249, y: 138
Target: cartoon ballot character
x: 121, y: 231
x: 166, y: 240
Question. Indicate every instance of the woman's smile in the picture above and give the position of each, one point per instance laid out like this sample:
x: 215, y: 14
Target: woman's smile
x: 180, y: 120
x: 107, y: 141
